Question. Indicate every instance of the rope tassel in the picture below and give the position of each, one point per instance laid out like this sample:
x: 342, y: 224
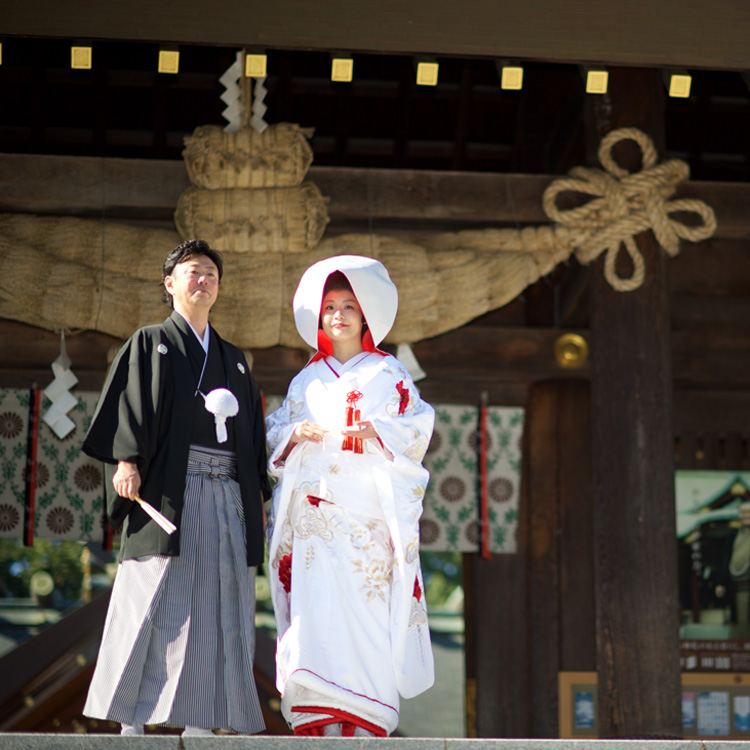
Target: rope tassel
x: 353, y: 415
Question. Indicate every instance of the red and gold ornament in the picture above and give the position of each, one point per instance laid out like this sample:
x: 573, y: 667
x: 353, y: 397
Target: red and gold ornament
x: 353, y: 416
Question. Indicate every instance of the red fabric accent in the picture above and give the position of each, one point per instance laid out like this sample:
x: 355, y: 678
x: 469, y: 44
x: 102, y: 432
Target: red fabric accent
x: 348, y: 442
x: 29, y: 519
x: 336, y: 716
x: 417, y: 590
x: 357, y: 446
x: 285, y: 572
x: 108, y: 532
x: 352, y: 397
x: 325, y: 347
x: 316, y: 501
x: 285, y: 454
x: 320, y: 355
x: 313, y: 729
x: 351, y: 443
x: 368, y: 344
x: 483, y: 509
x: 403, y: 397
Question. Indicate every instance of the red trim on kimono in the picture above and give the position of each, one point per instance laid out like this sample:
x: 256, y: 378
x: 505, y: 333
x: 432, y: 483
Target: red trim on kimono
x: 335, y: 716
x: 325, y: 347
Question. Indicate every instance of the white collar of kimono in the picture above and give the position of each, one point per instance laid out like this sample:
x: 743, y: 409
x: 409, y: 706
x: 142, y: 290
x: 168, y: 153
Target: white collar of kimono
x: 376, y: 293
x: 221, y: 402
x: 206, y: 334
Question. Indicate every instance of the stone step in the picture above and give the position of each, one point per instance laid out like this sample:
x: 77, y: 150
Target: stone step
x: 28, y: 741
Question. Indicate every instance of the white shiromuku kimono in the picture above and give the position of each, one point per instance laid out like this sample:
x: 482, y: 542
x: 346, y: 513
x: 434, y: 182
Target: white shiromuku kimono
x: 343, y: 534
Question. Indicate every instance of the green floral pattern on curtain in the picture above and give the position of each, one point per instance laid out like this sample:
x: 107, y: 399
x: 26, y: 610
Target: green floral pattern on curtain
x: 70, y: 485
x: 450, y: 521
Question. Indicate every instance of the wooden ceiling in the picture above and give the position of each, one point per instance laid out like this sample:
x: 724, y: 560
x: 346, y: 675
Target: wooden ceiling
x: 123, y: 108
x: 701, y: 34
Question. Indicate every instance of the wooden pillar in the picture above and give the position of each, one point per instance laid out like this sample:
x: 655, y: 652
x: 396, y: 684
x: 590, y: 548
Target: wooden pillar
x: 576, y: 529
x: 541, y: 512
x: 556, y: 523
x: 636, y: 580
x: 531, y: 614
x: 496, y: 633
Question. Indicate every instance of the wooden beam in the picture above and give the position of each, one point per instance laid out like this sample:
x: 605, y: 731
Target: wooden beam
x: 504, y: 360
x: 88, y: 186
x: 467, y: 197
x: 670, y: 33
x: 718, y: 412
x: 716, y: 359
x: 637, y: 606
x: 359, y: 198
x: 711, y: 370
x: 28, y: 353
x: 510, y: 354
x: 717, y: 268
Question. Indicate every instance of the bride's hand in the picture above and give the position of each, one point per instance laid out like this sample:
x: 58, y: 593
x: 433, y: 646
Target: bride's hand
x: 363, y: 430
x: 308, y: 430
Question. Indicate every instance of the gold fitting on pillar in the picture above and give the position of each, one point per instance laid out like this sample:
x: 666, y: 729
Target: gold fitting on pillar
x: 571, y: 350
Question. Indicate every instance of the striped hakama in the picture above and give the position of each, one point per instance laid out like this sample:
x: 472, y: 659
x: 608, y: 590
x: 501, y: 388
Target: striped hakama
x: 179, y: 638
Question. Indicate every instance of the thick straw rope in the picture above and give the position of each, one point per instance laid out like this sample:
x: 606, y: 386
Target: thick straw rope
x: 42, y: 258
x: 624, y: 205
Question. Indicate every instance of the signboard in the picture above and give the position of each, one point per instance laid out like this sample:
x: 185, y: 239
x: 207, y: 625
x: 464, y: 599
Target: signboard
x: 713, y: 705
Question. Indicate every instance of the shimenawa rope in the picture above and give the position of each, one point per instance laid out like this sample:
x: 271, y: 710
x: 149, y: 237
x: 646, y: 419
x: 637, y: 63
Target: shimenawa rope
x: 625, y: 204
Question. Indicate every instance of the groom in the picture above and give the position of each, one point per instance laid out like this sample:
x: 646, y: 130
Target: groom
x: 178, y: 644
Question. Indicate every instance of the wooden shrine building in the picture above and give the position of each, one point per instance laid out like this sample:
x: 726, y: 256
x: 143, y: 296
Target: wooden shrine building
x: 594, y: 584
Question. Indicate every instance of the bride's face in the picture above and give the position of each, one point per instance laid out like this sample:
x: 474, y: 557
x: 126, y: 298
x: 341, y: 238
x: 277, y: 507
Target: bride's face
x: 341, y: 316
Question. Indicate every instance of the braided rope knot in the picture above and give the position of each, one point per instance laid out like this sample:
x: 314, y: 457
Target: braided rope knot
x: 624, y: 204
